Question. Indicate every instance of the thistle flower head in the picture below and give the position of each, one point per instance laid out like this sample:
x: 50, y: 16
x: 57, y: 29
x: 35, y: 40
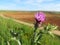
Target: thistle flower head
x: 40, y: 16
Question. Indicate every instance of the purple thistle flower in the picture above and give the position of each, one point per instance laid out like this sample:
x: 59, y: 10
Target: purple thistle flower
x: 40, y: 16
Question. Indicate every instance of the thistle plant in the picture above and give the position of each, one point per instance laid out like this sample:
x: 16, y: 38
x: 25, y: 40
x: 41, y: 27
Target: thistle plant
x: 46, y: 30
x: 40, y: 17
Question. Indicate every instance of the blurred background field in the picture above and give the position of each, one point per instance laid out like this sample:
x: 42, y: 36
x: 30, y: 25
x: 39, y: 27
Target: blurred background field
x: 28, y: 16
x: 25, y: 34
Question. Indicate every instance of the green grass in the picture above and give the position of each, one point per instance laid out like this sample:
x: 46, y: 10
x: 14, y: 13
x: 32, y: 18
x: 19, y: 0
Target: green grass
x: 25, y: 34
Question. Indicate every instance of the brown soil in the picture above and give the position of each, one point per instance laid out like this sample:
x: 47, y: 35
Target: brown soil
x: 29, y: 17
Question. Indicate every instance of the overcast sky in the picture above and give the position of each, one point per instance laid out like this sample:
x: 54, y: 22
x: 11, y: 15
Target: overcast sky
x: 31, y: 5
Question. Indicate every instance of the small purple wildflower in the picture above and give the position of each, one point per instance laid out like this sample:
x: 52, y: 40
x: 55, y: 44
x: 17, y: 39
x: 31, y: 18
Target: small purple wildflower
x: 40, y: 16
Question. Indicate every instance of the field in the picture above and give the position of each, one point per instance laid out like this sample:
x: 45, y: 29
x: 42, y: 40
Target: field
x: 25, y: 34
x: 51, y: 17
x: 9, y: 28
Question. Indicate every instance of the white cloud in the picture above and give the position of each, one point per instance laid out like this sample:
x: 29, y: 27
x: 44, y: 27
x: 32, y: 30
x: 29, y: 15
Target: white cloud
x: 49, y: 7
x: 40, y: 1
x: 17, y: 1
x: 37, y: 1
x: 31, y: 1
x: 7, y: 7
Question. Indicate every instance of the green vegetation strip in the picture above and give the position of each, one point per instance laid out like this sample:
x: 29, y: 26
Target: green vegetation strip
x: 25, y: 34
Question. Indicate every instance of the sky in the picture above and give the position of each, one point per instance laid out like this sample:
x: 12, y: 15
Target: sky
x: 30, y: 5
